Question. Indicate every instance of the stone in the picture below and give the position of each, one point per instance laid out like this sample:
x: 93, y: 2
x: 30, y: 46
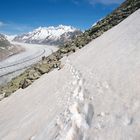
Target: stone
x: 33, y: 75
x: 26, y: 83
x: 44, y: 68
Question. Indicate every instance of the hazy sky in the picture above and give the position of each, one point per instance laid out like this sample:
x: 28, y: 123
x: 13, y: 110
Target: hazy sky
x: 20, y: 16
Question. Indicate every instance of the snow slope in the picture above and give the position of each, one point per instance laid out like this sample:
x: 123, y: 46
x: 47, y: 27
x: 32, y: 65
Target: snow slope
x: 49, y: 35
x: 94, y: 97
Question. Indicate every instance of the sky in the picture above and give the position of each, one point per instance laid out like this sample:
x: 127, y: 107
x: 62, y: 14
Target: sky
x: 21, y: 16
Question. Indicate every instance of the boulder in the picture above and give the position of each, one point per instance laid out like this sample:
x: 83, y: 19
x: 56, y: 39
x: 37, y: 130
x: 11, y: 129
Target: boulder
x: 33, y: 75
x: 44, y: 68
x: 25, y: 83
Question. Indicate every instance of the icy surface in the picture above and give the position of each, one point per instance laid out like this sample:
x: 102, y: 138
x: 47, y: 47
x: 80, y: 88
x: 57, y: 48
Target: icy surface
x: 94, y: 97
x: 32, y: 54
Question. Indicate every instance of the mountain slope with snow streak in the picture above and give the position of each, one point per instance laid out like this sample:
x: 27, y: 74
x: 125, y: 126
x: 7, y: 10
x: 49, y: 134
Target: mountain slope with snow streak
x: 95, y: 96
x: 49, y: 35
x: 8, y: 49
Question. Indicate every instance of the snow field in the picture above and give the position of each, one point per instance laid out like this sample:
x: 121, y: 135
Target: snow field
x: 79, y: 112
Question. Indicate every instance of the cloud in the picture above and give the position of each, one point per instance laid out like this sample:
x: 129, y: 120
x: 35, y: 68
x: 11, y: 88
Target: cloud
x: 76, y: 2
x: 20, y: 27
x: 14, y: 28
x: 2, y: 24
x: 105, y: 2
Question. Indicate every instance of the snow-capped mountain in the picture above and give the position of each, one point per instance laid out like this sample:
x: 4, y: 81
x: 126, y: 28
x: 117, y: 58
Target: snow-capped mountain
x: 49, y: 35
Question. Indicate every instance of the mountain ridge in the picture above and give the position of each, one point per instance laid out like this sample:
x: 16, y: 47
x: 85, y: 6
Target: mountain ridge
x: 49, y: 35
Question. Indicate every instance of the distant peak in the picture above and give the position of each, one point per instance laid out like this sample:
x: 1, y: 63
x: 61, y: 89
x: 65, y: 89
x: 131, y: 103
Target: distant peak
x: 49, y: 35
x: 55, y: 27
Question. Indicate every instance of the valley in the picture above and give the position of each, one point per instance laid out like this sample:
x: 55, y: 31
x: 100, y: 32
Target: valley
x: 10, y: 67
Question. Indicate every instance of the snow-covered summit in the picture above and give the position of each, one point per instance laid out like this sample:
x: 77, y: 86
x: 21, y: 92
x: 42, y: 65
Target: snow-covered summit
x: 49, y: 35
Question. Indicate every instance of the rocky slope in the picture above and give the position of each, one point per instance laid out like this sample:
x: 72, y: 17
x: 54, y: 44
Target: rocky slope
x: 4, y: 42
x: 49, y: 35
x: 111, y: 20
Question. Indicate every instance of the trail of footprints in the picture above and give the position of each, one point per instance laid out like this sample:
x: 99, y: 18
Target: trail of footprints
x: 75, y: 122
x: 76, y: 119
